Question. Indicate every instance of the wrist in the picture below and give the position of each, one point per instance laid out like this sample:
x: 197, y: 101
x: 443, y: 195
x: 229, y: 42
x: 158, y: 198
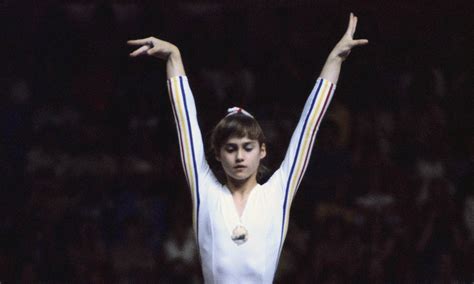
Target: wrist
x: 331, y: 68
x: 334, y: 58
x: 174, y: 66
x: 174, y: 54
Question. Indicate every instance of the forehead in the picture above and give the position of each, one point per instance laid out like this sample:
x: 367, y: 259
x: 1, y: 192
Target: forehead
x: 240, y: 140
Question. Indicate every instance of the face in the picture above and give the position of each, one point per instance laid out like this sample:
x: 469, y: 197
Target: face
x: 240, y: 157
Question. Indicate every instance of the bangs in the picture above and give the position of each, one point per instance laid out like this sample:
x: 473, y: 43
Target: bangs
x: 240, y: 126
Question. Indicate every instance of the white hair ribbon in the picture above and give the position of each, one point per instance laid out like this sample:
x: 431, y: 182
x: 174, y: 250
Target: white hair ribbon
x: 235, y: 110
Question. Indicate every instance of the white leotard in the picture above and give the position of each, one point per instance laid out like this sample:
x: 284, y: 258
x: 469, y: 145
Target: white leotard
x: 266, y: 214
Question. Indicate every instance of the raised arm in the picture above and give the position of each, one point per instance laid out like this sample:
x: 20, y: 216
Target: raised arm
x: 290, y: 173
x: 152, y: 46
x: 332, y: 67
x: 193, y: 157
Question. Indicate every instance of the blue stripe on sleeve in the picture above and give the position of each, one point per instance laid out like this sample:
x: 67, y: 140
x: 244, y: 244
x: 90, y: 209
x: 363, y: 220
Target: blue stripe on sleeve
x: 313, y: 134
x: 180, y: 140
x: 295, y: 159
x: 198, y: 201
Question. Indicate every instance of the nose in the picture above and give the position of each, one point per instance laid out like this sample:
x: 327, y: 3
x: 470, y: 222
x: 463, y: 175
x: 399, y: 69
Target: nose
x: 239, y: 155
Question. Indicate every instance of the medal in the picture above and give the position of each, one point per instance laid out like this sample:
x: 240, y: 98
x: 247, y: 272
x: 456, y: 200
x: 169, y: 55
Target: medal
x: 239, y: 235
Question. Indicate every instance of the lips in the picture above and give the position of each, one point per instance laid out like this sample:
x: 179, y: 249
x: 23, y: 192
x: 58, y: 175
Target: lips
x: 240, y: 167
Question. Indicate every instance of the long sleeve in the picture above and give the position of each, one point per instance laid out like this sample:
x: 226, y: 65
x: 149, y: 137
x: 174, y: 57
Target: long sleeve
x: 297, y: 156
x: 288, y: 177
x: 191, y: 146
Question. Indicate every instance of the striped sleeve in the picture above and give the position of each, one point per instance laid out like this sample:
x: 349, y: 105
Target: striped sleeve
x: 292, y: 169
x: 191, y: 146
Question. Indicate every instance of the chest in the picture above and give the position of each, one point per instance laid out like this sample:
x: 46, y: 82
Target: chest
x: 238, y: 222
x: 239, y: 205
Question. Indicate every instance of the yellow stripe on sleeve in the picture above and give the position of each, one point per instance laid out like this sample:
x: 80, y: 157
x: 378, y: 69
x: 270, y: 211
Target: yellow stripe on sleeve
x: 186, y: 143
x: 307, y: 137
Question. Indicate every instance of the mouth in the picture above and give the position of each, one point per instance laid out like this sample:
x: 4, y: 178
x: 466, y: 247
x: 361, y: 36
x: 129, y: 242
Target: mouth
x: 240, y: 167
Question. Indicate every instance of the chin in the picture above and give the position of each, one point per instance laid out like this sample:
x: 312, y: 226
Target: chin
x: 240, y: 177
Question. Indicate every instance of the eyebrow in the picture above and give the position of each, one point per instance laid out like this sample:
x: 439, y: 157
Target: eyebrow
x: 244, y: 144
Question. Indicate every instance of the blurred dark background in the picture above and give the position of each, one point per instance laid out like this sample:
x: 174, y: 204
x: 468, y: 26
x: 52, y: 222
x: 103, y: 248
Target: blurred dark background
x: 92, y: 189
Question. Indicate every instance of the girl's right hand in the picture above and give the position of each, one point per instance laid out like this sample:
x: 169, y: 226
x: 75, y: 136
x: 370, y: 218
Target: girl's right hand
x: 153, y: 47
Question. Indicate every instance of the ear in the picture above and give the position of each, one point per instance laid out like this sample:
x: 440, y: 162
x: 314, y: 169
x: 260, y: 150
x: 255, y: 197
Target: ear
x: 218, y: 158
x: 263, y: 151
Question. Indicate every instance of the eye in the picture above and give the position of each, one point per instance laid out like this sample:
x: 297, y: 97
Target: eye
x: 248, y: 148
x: 229, y: 148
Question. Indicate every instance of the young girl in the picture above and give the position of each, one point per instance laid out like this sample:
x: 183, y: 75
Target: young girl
x: 240, y: 226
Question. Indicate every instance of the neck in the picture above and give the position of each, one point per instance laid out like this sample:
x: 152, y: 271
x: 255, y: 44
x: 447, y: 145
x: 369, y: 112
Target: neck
x: 241, y: 187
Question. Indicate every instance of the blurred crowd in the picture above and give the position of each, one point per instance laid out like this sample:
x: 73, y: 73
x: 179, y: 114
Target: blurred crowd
x: 92, y: 189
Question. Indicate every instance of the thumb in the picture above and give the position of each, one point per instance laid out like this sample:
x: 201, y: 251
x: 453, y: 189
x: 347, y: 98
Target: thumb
x: 360, y: 42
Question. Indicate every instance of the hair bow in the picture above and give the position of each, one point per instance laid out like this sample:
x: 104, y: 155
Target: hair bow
x: 235, y: 110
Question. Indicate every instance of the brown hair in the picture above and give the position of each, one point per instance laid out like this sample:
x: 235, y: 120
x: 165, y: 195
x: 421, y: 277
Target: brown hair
x: 237, y: 125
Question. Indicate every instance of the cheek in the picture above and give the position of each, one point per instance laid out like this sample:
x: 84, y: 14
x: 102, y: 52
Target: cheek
x: 225, y: 160
x: 256, y: 159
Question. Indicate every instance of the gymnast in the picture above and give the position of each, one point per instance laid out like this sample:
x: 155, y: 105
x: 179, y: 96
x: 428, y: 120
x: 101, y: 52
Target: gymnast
x: 240, y: 226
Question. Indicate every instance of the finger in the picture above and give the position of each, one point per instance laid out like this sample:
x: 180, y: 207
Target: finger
x: 138, y: 41
x: 360, y: 42
x: 354, y: 26
x: 140, y: 51
x: 152, y: 50
x: 349, y: 28
x: 156, y: 52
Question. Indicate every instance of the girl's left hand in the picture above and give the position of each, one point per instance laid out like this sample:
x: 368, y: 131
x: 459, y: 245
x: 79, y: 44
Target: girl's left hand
x: 347, y: 42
